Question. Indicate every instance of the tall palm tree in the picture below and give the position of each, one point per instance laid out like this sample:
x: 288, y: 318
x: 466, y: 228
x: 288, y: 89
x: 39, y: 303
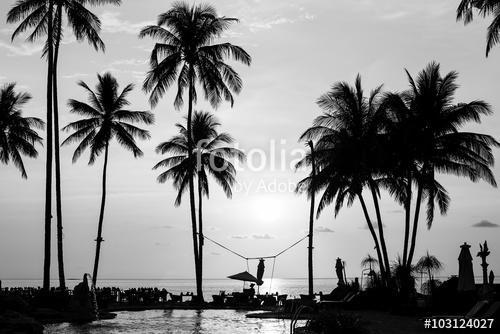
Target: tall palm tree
x: 186, y: 54
x: 24, y: 11
x: 18, y: 136
x: 210, y: 156
x: 348, y: 153
x: 105, y: 119
x: 427, y: 137
x: 45, y: 16
x: 85, y: 26
x: 309, y: 182
x: 465, y: 12
x: 430, y: 264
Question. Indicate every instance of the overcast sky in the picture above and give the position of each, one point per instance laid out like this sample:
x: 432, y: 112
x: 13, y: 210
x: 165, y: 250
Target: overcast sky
x: 299, y: 49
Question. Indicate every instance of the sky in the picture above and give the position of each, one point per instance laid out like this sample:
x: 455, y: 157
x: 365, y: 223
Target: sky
x: 299, y: 49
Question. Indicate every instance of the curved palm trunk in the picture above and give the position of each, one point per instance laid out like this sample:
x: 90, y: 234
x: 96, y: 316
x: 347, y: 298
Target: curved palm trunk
x: 60, y: 257
x: 381, y: 235
x: 415, y: 225
x: 374, y: 235
x: 201, y: 240
x: 311, y: 224
x: 199, y: 290
x: 48, y: 164
x: 101, y: 217
x: 407, y: 220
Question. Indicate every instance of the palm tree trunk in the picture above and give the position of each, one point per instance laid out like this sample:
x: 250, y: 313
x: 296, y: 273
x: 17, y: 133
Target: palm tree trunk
x: 199, y: 290
x: 101, y: 216
x: 200, y: 227
x: 48, y: 166
x: 381, y: 235
x: 407, y: 220
x: 60, y: 257
x: 415, y: 225
x: 374, y: 235
x: 311, y: 223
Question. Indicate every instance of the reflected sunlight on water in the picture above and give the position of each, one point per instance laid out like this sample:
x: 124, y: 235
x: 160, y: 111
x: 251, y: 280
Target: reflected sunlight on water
x: 178, y: 321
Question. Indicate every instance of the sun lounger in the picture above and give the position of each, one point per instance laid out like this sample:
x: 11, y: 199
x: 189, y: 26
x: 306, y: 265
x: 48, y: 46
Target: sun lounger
x: 492, y: 312
x: 474, y: 312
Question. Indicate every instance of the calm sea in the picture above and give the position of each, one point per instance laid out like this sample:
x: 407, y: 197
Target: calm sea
x: 291, y: 287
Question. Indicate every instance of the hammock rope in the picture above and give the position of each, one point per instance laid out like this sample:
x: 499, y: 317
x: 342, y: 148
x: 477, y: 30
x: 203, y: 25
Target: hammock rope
x: 258, y: 258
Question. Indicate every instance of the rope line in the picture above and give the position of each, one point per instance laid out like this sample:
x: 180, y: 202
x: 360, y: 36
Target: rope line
x: 272, y: 276
x: 255, y: 258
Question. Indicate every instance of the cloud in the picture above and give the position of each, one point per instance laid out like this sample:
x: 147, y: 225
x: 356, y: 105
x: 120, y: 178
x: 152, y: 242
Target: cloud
x: 278, y: 20
x: 25, y: 49
x: 322, y: 229
x: 262, y: 236
x: 395, y: 15
x: 112, y: 23
x: 214, y: 253
x: 7, y: 31
x: 239, y: 237
x: 375, y: 226
x: 485, y: 223
x: 74, y: 75
x: 160, y: 244
x: 129, y: 62
x: 162, y: 227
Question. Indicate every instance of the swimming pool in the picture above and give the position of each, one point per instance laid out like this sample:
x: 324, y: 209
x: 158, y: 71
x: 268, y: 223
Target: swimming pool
x: 178, y: 321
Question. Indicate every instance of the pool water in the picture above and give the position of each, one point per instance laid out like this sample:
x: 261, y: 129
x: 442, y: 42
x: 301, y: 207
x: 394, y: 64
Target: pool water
x: 178, y: 321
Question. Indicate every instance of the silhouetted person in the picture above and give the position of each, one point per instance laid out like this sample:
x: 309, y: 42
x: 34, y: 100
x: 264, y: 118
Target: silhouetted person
x: 339, y: 269
x: 355, y: 284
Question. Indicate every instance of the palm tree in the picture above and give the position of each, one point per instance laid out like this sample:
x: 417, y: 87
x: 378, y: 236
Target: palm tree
x: 104, y: 119
x: 369, y: 261
x: 347, y: 152
x: 186, y: 54
x: 465, y: 12
x: 47, y: 16
x: 17, y: 134
x: 308, y: 186
x: 43, y: 9
x: 427, y: 139
x: 430, y: 264
x: 210, y: 157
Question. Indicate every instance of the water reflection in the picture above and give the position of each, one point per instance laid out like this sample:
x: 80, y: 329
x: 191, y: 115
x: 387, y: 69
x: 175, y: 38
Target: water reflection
x: 178, y: 321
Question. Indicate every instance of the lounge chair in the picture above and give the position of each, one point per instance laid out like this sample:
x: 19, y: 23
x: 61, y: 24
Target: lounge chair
x: 474, y: 312
x: 492, y: 312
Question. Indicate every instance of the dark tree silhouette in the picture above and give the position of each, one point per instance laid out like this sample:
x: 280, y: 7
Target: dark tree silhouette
x: 186, y: 55
x: 25, y: 10
x: 308, y: 186
x: 348, y: 148
x: 465, y: 12
x: 210, y: 156
x: 430, y: 264
x: 18, y: 136
x: 425, y: 125
x: 105, y: 119
x: 85, y: 26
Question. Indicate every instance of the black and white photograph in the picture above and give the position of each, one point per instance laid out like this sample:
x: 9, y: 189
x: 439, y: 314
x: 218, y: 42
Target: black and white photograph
x: 249, y: 166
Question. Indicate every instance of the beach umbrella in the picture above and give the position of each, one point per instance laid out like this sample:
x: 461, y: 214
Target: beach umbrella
x: 244, y: 276
x: 465, y: 272
x: 260, y: 272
